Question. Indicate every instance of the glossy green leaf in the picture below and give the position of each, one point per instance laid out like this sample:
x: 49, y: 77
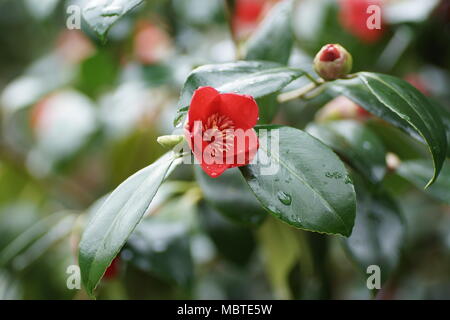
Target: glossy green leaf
x: 254, y: 78
x: 356, y: 143
x: 417, y: 171
x: 301, y: 181
x: 399, y: 103
x: 102, y: 14
x: 445, y: 116
x: 378, y: 235
x: 116, y: 219
x: 273, y: 40
x: 229, y: 192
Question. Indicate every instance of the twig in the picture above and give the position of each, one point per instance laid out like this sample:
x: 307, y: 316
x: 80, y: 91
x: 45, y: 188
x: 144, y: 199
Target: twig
x: 300, y: 92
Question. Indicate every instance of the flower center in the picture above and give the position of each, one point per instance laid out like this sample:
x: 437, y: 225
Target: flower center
x: 219, y: 130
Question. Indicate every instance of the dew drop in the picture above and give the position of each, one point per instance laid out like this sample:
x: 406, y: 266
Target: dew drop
x: 347, y: 180
x: 284, y: 198
x: 405, y: 117
x: 333, y: 175
x: 273, y: 209
x: 111, y: 11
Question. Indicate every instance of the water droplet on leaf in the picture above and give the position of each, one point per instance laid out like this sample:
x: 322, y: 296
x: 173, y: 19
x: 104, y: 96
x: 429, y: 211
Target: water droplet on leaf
x: 333, y: 175
x: 284, y: 198
x: 111, y: 11
x: 348, y: 180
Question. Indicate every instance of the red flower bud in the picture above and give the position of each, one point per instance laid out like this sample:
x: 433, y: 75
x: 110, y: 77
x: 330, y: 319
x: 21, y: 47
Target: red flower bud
x: 330, y: 53
x: 333, y: 62
x: 219, y: 129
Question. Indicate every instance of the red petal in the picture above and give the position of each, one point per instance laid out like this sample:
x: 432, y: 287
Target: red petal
x: 248, y: 151
x: 214, y: 170
x: 201, y: 106
x: 242, y: 109
x: 330, y: 53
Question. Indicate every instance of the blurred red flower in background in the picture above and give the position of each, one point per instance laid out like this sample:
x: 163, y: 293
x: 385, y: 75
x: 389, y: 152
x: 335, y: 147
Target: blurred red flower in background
x: 353, y: 17
x: 151, y: 43
x: 74, y: 46
x: 37, y: 113
x: 248, y: 14
x: 340, y: 108
x: 219, y: 129
x: 417, y: 81
x: 113, y: 270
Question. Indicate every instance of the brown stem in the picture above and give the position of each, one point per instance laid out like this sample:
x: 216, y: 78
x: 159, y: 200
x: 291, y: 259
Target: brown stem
x: 300, y: 92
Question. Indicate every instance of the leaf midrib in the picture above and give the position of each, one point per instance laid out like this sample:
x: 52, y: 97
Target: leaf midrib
x: 404, y: 99
x: 412, y: 124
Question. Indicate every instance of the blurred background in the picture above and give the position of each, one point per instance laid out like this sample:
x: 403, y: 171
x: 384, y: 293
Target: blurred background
x: 77, y: 117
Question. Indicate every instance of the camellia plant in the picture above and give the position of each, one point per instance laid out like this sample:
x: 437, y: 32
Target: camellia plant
x: 319, y: 179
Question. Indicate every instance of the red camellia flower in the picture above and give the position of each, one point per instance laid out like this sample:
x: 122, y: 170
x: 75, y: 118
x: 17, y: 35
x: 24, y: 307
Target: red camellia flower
x: 219, y: 129
x: 353, y: 16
